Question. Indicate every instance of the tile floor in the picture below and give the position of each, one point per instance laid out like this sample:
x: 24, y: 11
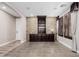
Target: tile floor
x: 41, y: 49
x: 9, y: 47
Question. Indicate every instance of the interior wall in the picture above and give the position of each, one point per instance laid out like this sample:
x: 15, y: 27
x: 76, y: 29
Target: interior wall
x: 21, y: 29
x: 77, y: 32
x: 7, y: 28
x: 32, y: 25
x: 51, y: 25
x: 73, y: 23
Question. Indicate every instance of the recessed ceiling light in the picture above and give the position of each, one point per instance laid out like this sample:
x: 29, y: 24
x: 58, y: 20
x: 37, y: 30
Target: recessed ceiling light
x: 28, y: 8
x: 31, y: 14
x: 3, y: 7
x: 63, y: 5
x: 55, y: 8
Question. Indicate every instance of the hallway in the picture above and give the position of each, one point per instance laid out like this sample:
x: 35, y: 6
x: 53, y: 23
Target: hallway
x: 41, y: 49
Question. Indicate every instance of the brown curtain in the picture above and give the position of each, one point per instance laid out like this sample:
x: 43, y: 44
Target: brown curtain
x: 65, y: 26
x: 60, y: 27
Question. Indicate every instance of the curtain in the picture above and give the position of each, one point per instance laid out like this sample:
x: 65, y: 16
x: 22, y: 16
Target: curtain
x: 60, y: 27
x: 64, y: 28
x: 74, y: 22
x: 67, y: 25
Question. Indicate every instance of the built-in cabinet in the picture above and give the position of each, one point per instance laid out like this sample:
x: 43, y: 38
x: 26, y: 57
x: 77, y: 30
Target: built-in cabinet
x: 41, y: 29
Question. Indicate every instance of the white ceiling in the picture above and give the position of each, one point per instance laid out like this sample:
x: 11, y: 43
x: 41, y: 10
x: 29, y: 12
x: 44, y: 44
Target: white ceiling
x: 39, y: 8
x: 8, y: 10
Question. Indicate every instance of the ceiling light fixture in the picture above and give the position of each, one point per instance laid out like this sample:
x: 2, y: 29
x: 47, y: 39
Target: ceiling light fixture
x: 31, y: 15
x: 28, y: 8
x: 63, y: 5
x: 3, y: 7
x: 55, y: 8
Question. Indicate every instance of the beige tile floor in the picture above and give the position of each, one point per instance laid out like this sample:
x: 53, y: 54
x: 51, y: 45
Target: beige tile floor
x: 41, y: 49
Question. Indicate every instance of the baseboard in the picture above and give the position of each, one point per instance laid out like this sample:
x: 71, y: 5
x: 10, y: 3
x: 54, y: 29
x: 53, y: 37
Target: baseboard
x: 6, y: 43
x: 65, y: 45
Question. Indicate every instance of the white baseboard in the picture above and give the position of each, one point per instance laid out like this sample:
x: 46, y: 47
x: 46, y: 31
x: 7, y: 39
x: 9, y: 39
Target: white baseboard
x: 6, y: 43
x: 65, y: 45
x: 66, y: 42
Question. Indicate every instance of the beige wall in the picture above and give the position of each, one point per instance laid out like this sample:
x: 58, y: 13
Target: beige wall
x: 50, y: 24
x: 7, y: 28
x: 32, y: 25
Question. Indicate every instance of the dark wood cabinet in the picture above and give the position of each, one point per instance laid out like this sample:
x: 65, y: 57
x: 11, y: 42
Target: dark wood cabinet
x: 42, y: 38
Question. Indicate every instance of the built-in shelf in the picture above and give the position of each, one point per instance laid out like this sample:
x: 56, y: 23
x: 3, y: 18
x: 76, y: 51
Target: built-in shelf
x: 41, y: 27
x: 41, y: 24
